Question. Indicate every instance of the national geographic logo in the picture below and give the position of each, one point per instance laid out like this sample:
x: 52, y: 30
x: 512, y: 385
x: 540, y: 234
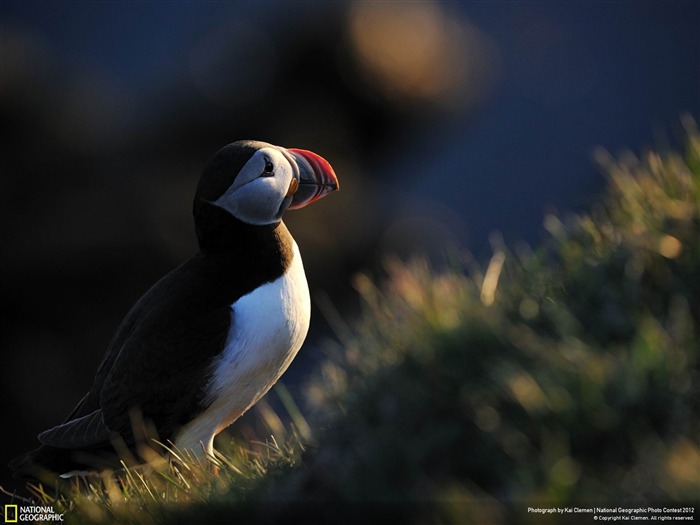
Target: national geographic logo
x: 31, y: 514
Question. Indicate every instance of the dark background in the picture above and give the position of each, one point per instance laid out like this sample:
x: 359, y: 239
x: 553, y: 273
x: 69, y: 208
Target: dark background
x: 444, y: 121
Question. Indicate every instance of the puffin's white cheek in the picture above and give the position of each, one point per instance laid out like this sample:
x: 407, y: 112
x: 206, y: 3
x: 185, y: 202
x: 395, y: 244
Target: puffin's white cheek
x: 257, y: 203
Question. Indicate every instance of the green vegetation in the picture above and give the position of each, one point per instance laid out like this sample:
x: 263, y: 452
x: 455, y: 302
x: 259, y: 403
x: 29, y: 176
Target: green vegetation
x: 565, y: 376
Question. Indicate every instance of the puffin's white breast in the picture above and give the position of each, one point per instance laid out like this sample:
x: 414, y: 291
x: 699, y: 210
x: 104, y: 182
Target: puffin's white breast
x: 268, y: 327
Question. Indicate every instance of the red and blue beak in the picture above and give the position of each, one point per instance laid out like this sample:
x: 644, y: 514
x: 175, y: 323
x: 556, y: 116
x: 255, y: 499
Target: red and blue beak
x: 316, y: 178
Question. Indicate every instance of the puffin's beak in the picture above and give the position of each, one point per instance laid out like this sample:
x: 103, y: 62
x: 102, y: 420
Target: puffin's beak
x: 316, y: 178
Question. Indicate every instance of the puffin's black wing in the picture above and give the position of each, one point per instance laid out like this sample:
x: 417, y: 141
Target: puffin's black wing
x: 161, y: 367
x: 164, y: 368
x: 162, y: 377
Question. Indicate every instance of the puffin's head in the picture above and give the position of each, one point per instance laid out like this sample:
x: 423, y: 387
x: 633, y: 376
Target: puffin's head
x: 256, y: 182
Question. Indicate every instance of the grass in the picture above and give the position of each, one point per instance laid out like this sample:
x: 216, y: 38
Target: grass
x: 170, y: 479
x: 144, y: 495
x: 562, y: 376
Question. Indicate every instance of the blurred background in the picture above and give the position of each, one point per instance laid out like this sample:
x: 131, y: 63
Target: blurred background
x: 444, y: 122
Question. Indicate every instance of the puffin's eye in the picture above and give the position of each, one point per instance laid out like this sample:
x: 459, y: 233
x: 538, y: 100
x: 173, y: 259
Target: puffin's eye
x: 269, y: 167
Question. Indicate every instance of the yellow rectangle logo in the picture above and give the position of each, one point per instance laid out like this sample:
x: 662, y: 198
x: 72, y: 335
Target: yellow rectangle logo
x: 11, y: 513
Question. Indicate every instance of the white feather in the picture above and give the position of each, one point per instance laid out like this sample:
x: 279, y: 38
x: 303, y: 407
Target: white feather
x: 269, y: 326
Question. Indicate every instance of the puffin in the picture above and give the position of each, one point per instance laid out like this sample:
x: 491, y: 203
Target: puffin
x: 211, y: 337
